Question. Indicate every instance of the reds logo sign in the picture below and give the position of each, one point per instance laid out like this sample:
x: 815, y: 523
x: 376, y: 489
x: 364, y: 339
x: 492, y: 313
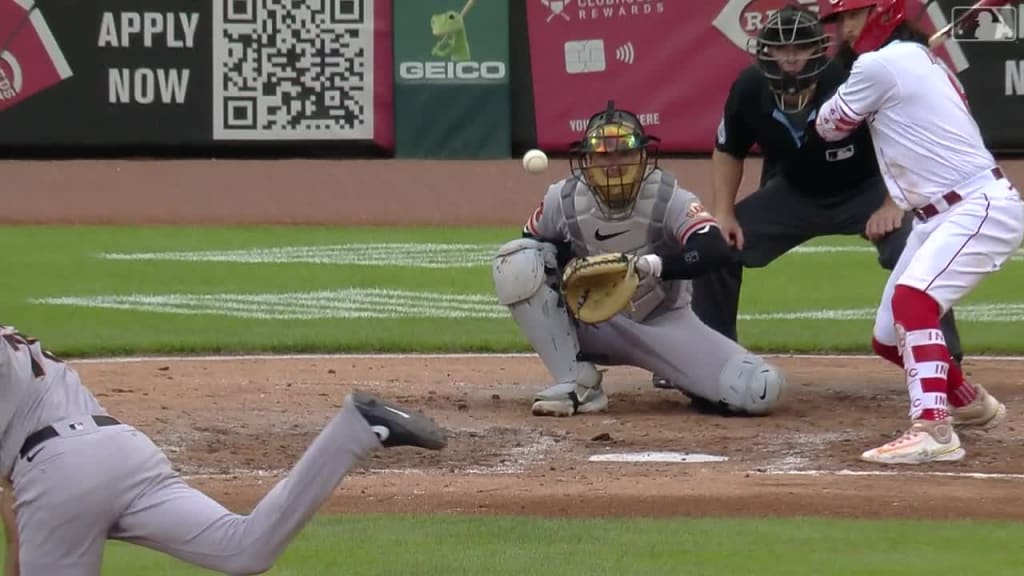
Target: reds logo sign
x: 740, y: 20
x: 10, y: 76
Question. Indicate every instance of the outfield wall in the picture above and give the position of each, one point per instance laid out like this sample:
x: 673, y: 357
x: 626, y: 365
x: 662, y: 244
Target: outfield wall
x: 407, y: 78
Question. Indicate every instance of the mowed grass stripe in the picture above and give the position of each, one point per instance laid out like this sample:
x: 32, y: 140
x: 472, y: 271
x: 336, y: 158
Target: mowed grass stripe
x: 453, y: 545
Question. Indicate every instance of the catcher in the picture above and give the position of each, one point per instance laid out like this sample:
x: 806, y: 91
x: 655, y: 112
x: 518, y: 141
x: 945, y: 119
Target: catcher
x: 602, y: 276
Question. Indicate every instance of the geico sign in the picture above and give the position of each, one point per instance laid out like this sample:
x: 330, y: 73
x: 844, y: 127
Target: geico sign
x: 451, y: 70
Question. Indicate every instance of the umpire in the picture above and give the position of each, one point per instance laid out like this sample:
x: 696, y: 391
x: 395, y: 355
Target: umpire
x: 809, y: 187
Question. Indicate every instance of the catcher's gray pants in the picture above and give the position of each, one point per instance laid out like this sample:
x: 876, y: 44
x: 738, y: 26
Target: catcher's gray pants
x: 113, y: 482
x: 675, y: 345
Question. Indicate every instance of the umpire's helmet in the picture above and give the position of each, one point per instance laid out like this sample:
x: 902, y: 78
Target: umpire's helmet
x: 792, y: 51
x: 613, y: 159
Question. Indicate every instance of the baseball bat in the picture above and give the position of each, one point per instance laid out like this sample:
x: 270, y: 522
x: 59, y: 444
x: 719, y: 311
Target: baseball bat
x: 940, y: 36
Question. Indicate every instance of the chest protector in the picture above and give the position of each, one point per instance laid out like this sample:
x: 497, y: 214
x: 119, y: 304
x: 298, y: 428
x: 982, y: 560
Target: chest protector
x: 643, y: 232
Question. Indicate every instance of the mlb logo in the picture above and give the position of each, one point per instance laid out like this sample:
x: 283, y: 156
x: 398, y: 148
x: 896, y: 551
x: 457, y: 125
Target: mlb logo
x: 995, y: 24
x: 584, y: 56
x: 76, y: 426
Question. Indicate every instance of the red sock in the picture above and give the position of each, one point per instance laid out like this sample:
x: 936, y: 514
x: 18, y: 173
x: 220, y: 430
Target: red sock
x: 960, y: 391
x: 925, y: 356
x: 890, y: 353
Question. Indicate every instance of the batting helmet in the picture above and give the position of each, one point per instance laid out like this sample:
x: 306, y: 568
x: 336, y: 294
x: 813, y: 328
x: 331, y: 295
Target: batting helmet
x: 792, y: 50
x: 613, y: 159
x: 882, y: 21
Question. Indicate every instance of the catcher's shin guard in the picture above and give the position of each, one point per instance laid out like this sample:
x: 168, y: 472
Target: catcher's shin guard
x: 751, y: 386
x: 521, y: 272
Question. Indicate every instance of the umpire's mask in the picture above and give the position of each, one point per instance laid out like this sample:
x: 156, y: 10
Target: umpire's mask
x: 613, y: 160
x: 791, y: 51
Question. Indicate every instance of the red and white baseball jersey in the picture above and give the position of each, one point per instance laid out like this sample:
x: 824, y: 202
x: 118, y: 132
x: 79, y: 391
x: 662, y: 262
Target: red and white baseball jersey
x: 926, y: 141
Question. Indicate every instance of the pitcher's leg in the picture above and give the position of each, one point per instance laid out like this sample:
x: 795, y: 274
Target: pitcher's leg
x: 177, y: 519
x: 65, y: 504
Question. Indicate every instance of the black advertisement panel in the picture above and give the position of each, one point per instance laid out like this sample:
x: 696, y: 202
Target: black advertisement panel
x: 135, y: 72
x: 185, y: 72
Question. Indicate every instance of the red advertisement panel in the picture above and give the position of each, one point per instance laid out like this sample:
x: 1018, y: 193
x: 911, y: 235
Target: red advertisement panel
x: 30, y: 59
x: 670, y: 61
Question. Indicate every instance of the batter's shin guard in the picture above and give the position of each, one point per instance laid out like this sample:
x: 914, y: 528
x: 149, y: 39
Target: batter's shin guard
x: 925, y: 356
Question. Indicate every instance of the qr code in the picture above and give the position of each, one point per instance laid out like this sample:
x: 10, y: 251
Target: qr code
x: 293, y: 69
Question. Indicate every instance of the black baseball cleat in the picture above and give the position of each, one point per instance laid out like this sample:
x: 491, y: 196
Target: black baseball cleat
x: 397, y: 426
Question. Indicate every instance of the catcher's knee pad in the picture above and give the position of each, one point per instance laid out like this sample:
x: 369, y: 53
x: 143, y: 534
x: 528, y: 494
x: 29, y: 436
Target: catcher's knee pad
x: 520, y: 268
x: 749, y: 385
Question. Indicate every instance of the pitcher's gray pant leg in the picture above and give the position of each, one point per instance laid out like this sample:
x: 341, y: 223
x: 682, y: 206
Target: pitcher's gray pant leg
x: 675, y: 345
x: 170, y: 516
x: 65, y: 501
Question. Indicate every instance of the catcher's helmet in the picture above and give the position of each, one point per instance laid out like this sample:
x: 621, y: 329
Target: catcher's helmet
x: 613, y: 159
x: 792, y: 50
x: 882, y: 21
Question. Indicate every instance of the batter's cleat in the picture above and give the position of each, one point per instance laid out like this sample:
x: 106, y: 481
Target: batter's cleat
x: 926, y: 441
x: 983, y: 413
x: 398, y: 426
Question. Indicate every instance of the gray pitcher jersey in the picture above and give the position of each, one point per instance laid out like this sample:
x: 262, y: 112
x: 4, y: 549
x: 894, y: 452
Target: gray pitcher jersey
x: 663, y: 219
x: 35, y: 390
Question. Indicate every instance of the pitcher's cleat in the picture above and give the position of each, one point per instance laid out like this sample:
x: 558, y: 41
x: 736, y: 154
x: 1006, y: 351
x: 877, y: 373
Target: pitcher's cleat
x: 396, y: 426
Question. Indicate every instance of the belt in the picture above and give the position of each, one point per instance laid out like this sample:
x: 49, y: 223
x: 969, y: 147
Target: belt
x: 952, y: 197
x: 43, y: 434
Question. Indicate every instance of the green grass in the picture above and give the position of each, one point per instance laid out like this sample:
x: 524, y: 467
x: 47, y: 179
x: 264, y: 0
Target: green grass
x: 452, y: 546
x: 46, y: 262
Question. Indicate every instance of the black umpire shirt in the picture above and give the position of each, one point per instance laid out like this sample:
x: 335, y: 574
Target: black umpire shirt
x: 790, y: 145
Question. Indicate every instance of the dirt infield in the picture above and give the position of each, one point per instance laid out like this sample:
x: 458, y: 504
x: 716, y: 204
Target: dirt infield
x: 235, y: 424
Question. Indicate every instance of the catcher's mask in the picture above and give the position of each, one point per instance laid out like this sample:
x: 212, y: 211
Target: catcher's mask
x: 613, y: 160
x: 791, y: 51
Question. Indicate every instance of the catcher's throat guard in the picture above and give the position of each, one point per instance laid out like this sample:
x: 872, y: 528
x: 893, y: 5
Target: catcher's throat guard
x: 596, y: 288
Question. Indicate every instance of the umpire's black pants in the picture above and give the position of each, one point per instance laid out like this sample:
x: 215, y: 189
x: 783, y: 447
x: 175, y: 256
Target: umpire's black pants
x: 778, y: 218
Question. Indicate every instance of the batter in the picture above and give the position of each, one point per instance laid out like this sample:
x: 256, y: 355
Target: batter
x: 969, y: 216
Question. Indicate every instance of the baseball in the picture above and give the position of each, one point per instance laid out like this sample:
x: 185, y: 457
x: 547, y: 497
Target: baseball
x: 535, y: 161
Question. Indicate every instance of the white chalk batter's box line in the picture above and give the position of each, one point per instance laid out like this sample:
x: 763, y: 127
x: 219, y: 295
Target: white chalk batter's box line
x: 418, y: 255
x: 387, y: 303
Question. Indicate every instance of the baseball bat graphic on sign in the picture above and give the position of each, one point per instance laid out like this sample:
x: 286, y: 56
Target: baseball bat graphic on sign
x: 940, y: 36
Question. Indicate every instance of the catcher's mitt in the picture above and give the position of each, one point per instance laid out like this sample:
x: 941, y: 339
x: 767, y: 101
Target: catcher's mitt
x: 596, y: 288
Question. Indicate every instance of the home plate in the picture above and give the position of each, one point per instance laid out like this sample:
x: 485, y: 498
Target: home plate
x: 680, y: 457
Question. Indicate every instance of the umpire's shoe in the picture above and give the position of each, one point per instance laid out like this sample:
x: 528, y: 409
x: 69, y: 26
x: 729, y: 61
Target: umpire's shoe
x: 397, y: 426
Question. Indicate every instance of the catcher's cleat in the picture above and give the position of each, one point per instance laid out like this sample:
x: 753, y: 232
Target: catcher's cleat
x: 926, y: 441
x: 576, y: 400
x: 983, y: 413
x: 397, y: 426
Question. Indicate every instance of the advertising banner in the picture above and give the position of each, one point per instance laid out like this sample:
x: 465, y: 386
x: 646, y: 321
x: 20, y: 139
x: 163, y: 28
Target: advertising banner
x: 451, y: 73
x: 673, y: 62
x: 187, y: 72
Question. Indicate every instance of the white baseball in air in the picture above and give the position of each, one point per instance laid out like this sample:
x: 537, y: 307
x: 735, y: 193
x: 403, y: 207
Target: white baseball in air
x: 535, y: 161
